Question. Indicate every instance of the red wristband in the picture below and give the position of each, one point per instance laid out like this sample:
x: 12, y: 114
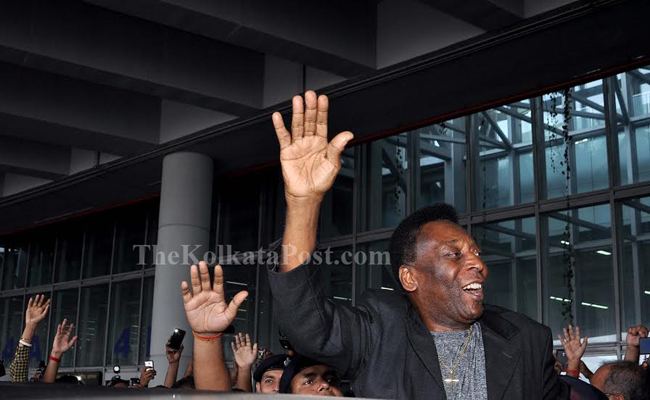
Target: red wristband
x: 208, y: 338
x: 573, y: 372
x: 52, y: 358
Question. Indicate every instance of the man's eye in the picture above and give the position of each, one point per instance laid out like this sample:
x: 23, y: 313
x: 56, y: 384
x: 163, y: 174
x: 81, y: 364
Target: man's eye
x: 309, y: 381
x: 453, y: 254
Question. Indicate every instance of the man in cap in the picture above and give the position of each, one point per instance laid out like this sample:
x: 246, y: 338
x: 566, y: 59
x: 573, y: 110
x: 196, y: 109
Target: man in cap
x: 268, y: 373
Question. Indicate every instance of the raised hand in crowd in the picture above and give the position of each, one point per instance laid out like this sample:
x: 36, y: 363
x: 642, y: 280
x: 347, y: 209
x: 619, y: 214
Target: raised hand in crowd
x: 309, y: 167
x: 63, y: 341
x: 245, y: 352
x: 634, y: 334
x: 146, y: 375
x: 208, y: 314
x: 574, y: 347
x: 173, y: 359
x: 37, y: 308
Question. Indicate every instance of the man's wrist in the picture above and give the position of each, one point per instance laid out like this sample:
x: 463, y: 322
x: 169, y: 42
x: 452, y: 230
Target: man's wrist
x: 56, y: 353
x: 313, y: 201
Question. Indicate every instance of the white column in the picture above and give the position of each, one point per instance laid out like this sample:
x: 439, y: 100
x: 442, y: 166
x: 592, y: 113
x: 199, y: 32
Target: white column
x: 183, y: 220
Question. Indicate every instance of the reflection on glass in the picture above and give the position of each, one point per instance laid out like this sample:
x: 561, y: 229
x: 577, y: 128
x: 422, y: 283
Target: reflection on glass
x: 11, y: 325
x: 129, y: 231
x: 635, y: 276
x: 336, y: 210
x: 99, y: 246
x: 41, y: 259
x: 15, y: 265
x: 336, y: 273
x: 92, y: 326
x: 505, y: 156
x: 574, y: 132
x: 386, y: 175
x: 373, y: 267
x: 147, y: 310
x: 442, y: 155
x: 123, y: 328
x: 64, y: 305
x: 578, y: 271
x: 68, y: 255
x: 509, y: 250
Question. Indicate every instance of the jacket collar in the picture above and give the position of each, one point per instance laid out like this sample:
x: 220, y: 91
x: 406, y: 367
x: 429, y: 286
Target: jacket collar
x: 497, y: 342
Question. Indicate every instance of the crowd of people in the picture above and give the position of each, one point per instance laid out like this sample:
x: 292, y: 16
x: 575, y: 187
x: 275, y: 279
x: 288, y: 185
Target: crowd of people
x: 434, y: 338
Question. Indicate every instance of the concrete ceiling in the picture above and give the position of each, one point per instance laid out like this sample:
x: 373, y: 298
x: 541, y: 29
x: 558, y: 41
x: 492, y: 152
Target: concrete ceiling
x: 95, y: 92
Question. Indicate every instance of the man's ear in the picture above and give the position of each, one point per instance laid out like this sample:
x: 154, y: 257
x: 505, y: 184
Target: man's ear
x: 258, y: 387
x: 407, y: 279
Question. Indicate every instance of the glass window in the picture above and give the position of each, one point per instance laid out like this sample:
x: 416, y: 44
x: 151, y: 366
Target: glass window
x: 505, y: 156
x: 576, y: 148
x: 442, y: 163
x: 123, y: 328
x: 15, y: 265
x: 129, y: 231
x: 336, y: 210
x: 635, y: 276
x: 578, y: 271
x: 239, y: 221
x: 373, y: 267
x: 147, y: 310
x: 92, y: 326
x: 68, y: 255
x: 41, y: 259
x: 98, y: 248
x: 336, y: 273
x: 638, y: 81
x: 385, y: 176
x: 11, y: 312
x: 238, y: 278
x: 509, y: 250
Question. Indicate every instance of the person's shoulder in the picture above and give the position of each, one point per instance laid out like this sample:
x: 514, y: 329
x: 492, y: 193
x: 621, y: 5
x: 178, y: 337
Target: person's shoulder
x: 384, y: 300
x: 513, y: 321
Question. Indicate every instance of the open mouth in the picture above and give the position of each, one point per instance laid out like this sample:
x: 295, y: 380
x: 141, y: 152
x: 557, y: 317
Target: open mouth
x: 475, y: 290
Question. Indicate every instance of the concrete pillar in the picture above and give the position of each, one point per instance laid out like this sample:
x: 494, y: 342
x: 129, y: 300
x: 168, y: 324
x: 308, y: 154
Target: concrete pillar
x: 184, y: 219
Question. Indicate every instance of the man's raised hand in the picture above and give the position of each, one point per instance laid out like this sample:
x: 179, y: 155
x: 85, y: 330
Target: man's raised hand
x: 309, y: 163
x: 37, y: 309
x: 62, y: 340
x: 205, y: 304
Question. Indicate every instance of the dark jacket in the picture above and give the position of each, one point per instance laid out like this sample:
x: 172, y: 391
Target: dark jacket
x: 385, y: 349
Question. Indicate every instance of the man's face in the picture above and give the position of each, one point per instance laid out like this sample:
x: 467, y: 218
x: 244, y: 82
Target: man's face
x: 270, y: 382
x: 317, y: 380
x: 448, y: 276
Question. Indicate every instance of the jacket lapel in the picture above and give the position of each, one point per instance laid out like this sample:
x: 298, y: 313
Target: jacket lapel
x: 501, y: 356
x: 424, y: 347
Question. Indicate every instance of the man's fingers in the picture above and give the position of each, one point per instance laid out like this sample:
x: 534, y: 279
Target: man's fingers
x: 196, y: 281
x: 185, y: 291
x: 311, y: 111
x: 337, y: 145
x: 217, y: 287
x: 31, y: 301
x: 73, y: 341
x: 233, y: 347
x: 204, y: 275
x: 255, y: 348
x: 321, y: 116
x: 248, y: 340
x: 231, y: 311
x: 238, y: 340
x: 297, y: 118
x: 284, y: 137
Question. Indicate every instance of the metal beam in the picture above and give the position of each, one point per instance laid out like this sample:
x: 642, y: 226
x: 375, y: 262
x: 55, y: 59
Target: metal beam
x: 497, y: 128
x: 485, y: 14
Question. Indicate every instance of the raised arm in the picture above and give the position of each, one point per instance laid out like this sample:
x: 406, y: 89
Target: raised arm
x: 309, y: 167
x: 173, y: 360
x: 245, y: 352
x: 634, y: 335
x: 209, y: 315
x: 62, y: 343
x: 37, y: 308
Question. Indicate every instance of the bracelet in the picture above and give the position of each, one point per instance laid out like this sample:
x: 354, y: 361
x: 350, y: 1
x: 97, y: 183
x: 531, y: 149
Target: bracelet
x: 55, y: 359
x: 207, y: 338
x: 572, y: 372
x: 25, y: 343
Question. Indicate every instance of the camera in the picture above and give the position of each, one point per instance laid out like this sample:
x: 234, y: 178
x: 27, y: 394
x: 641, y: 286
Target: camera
x: 148, y: 365
x: 176, y: 339
x: 116, y: 369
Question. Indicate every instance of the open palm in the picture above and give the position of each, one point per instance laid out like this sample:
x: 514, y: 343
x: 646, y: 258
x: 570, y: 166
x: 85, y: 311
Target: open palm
x: 62, y: 341
x: 309, y: 163
x: 205, y: 305
x: 37, y: 308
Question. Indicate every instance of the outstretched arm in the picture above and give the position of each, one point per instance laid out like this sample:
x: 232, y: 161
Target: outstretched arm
x: 574, y: 347
x: 245, y: 352
x: 309, y: 167
x: 37, y: 309
x: 62, y: 343
x: 173, y: 359
x: 209, y: 315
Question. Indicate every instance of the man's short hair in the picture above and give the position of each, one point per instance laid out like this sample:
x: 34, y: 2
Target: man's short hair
x: 404, y: 238
x: 626, y: 378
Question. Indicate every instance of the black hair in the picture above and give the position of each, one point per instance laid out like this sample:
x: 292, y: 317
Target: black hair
x: 627, y: 378
x: 404, y: 238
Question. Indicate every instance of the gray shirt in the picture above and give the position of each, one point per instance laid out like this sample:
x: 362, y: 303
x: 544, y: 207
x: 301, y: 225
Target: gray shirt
x: 462, y: 363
